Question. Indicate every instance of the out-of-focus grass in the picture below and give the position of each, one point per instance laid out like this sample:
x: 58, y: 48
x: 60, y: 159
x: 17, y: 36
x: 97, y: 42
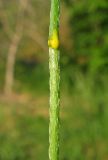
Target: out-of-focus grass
x: 23, y: 132
x: 32, y: 79
x: 2, y: 72
x: 83, y: 131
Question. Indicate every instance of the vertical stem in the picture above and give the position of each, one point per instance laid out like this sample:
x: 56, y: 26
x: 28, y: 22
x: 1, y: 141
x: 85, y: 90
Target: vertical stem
x: 54, y: 56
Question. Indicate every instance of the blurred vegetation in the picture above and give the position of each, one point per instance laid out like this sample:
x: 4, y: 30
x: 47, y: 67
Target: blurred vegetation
x: 84, y: 78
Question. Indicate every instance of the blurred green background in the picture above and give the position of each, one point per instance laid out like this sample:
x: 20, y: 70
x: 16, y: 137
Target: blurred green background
x: 24, y: 80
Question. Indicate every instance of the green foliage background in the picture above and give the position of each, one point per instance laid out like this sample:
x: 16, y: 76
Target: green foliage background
x: 84, y: 91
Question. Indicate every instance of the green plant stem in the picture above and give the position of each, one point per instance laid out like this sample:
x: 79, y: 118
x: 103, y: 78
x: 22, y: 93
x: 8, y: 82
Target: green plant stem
x: 54, y: 16
x: 54, y: 57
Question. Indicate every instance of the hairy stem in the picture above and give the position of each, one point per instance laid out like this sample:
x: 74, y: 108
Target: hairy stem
x: 54, y: 57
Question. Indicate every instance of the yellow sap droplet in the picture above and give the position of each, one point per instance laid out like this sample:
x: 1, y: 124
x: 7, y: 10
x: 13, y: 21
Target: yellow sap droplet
x: 53, y: 41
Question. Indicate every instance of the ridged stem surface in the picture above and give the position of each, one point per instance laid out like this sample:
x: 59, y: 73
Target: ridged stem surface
x: 54, y: 66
